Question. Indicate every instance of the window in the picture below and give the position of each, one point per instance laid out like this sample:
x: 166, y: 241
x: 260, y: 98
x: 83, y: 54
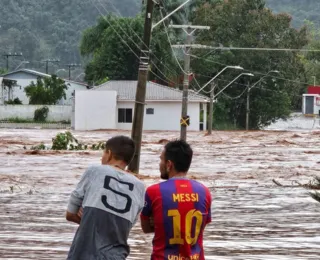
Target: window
x: 125, y: 115
x: 150, y: 111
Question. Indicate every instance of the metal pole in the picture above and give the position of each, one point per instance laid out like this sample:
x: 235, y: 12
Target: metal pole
x: 211, y: 109
x: 248, y: 109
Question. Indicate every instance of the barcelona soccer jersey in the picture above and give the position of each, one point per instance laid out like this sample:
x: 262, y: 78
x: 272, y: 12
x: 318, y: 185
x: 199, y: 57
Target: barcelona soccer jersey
x: 181, y: 208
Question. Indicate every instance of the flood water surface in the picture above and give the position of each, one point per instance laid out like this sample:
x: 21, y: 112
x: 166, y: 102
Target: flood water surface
x: 252, y: 217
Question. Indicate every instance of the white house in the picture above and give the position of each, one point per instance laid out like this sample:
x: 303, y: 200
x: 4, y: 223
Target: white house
x: 111, y: 106
x: 24, y: 77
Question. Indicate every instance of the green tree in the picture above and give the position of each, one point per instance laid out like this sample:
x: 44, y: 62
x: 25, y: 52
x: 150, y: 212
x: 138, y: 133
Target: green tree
x: 247, y: 23
x: 46, y: 91
x: 3, y: 71
x: 114, y: 48
x: 311, y: 59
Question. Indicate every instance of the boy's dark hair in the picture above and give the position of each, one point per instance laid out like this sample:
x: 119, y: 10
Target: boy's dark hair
x: 122, y: 148
x: 180, y: 153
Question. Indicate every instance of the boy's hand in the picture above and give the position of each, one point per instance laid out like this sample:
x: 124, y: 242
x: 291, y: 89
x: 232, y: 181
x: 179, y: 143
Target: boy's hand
x: 80, y: 212
x: 151, y: 221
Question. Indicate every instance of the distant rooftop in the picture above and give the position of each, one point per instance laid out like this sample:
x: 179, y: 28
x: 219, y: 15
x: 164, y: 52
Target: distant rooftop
x: 127, y: 91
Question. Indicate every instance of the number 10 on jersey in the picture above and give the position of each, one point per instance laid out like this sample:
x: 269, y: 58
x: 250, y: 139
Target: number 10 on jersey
x: 177, y: 236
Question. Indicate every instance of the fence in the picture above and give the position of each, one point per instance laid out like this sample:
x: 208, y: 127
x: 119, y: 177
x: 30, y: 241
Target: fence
x: 56, y: 113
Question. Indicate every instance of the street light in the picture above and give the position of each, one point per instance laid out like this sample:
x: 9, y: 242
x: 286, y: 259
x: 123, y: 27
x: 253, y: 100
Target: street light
x: 60, y: 70
x: 248, y: 96
x: 242, y: 74
x: 227, y: 67
x: 22, y: 62
x: 212, y: 96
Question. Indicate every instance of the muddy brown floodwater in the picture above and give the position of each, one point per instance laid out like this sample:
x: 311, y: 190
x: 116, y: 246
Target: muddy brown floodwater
x: 252, y: 217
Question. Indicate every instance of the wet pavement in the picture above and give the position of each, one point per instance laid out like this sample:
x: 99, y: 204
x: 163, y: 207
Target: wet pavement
x: 252, y: 217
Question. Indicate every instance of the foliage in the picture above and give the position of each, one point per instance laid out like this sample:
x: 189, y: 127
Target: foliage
x: 310, y: 59
x: 18, y: 120
x: 42, y: 29
x: 16, y: 101
x: 299, y: 10
x: 47, y: 91
x: 245, y: 23
x: 39, y: 147
x: 63, y: 141
x: 114, y: 58
x: 315, y: 185
x: 41, y: 114
x: 3, y: 71
x: 102, y: 81
x: 66, y: 141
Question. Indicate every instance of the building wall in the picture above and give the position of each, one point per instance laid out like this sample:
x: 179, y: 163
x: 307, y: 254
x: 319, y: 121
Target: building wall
x: 24, y: 79
x: 94, y: 110
x: 70, y: 92
x: 316, y: 107
x: 56, y: 113
x: 166, y: 116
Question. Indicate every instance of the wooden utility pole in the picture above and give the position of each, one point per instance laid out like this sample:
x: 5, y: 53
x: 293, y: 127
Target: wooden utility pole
x: 185, y: 120
x: 11, y: 55
x: 47, y: 64
x: 137, y: 125
x: 72, y: 65
x: 211, y: 108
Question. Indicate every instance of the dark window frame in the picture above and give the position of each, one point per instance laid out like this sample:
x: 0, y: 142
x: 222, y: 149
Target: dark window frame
x: 125, y: 115
x: 150, y: 111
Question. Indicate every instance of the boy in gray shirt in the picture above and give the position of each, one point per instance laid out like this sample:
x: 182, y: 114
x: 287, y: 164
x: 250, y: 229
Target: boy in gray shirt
x: 111, y: 199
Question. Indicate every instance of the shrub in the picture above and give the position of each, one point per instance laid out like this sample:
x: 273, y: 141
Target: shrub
x: 41, y: 114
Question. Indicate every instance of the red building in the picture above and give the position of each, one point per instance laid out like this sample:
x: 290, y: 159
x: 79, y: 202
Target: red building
x: 311, y: 101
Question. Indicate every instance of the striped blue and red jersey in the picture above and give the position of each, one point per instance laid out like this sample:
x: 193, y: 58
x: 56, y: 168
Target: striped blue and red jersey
x: 181, y: 208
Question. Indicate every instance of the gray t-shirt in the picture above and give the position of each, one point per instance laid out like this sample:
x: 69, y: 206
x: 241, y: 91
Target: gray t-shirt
x: 111, y: 201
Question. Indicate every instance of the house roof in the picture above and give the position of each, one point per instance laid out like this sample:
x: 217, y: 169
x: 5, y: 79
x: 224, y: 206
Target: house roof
x: 40, y: 74
x: 33, y: 72
x: 127, y: 91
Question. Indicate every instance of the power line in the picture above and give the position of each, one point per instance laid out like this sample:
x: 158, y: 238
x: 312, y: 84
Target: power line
x: 7, y: 55
x: 255, y: 72
x: 50, y: 61
x: 141, y: 41
x: 200, y: 46
x: 72, y: 65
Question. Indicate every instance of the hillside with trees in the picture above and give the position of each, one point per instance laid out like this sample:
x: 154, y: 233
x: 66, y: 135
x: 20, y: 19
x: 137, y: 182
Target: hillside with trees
x: 300, y: 10
x: 52, y: 29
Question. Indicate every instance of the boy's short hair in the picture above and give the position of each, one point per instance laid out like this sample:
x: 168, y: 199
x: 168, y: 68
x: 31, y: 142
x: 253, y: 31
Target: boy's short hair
x: 122, y: 148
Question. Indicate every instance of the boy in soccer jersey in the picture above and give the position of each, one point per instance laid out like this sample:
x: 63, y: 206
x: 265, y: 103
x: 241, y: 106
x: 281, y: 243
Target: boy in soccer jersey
x: 112, y: 200
x: 178, y: 209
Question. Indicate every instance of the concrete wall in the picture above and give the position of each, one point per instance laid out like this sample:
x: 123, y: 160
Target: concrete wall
x: 95, y: 110
x: 56, y: 113
x: 166, y: 116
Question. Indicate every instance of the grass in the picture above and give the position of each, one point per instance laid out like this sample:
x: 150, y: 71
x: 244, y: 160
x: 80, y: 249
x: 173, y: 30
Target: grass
x: 18, y: 120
